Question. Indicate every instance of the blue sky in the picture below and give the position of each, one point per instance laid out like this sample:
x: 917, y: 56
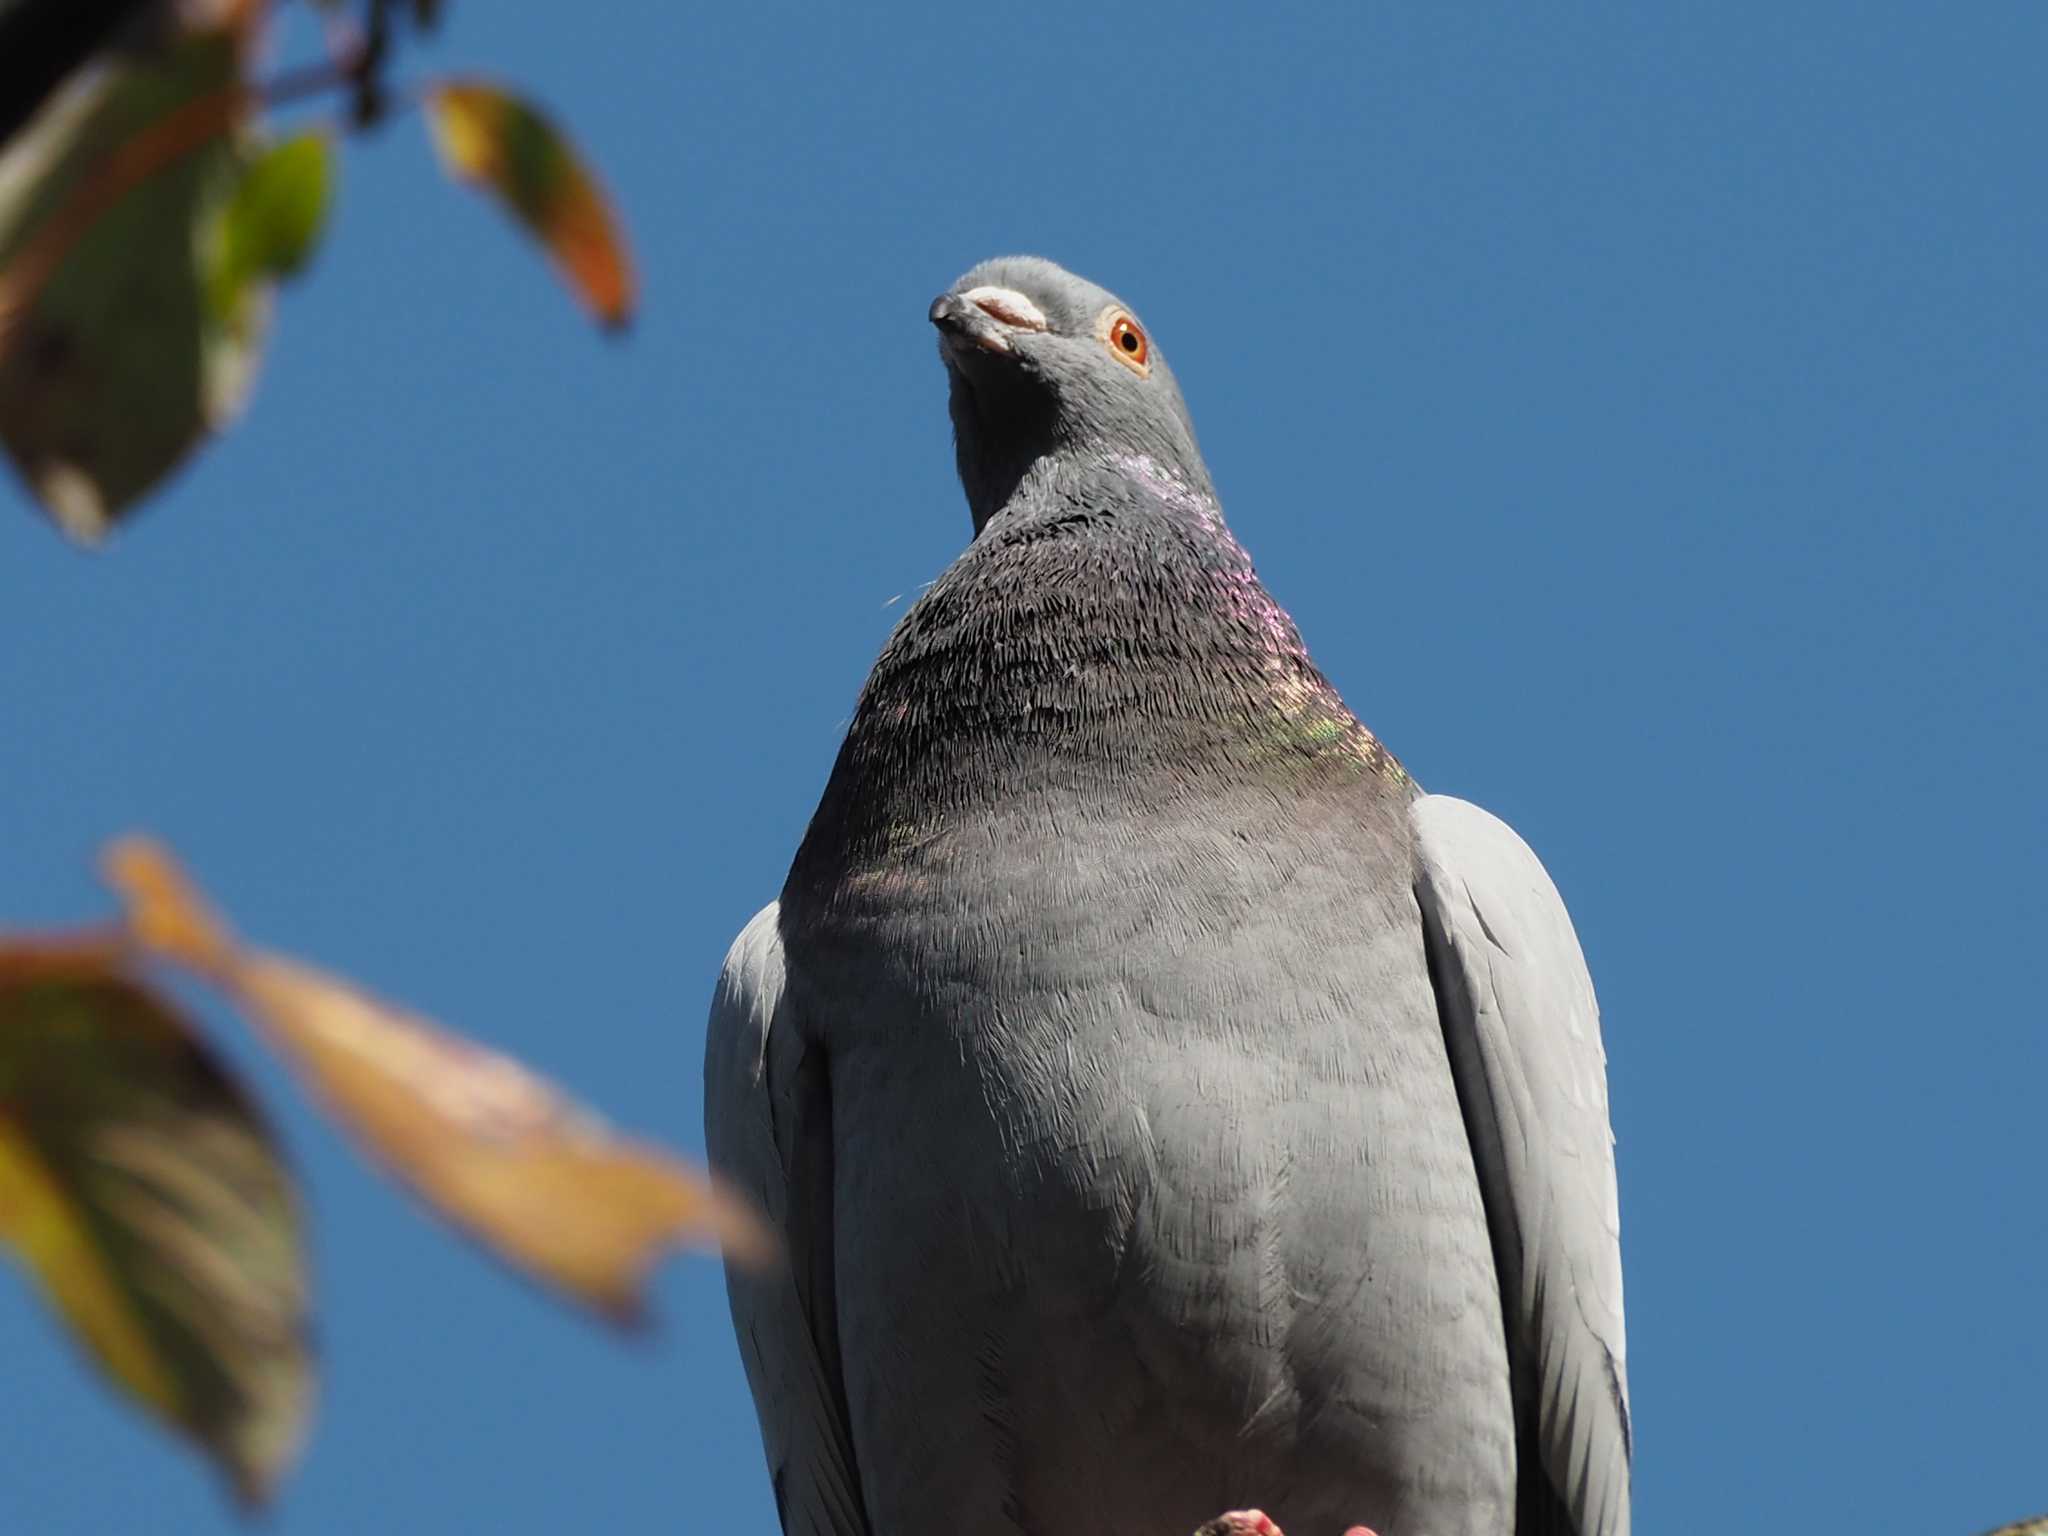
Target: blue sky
x: 1639, y: 408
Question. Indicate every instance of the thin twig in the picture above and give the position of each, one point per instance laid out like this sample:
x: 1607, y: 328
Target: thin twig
x: 295, y: 85
x: 371, y: 98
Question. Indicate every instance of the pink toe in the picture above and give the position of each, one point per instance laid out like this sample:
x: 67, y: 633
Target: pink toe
x: 1244, y: 1522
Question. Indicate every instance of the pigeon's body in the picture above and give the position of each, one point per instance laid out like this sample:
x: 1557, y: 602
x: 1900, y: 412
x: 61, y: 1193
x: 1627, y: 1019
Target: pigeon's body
x: 1093, y: 1064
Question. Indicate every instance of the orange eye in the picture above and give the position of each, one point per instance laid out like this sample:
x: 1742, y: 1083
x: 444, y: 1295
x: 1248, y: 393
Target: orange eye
x: 1129, y: 343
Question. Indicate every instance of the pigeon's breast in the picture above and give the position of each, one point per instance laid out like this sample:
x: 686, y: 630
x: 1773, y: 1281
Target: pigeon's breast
x: 1152, y: 1194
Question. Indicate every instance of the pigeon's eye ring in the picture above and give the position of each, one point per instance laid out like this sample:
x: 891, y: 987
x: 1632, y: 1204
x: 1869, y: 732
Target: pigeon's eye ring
x: 1126, y: 341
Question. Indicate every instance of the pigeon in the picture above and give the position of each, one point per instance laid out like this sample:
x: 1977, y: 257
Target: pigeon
x: 1165, y: 1106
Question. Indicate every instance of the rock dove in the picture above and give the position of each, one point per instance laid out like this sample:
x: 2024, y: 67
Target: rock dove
x: 1165, y: 1105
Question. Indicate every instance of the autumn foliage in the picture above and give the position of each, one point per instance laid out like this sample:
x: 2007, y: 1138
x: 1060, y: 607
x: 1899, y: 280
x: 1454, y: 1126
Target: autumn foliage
x: 150, y: 208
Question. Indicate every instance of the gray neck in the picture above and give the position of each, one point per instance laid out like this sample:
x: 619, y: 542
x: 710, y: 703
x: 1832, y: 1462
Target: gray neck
x: 1104, y: 638
x: 1008, y: 431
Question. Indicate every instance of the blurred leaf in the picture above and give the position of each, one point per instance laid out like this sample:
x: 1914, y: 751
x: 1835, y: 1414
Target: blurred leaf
x: 492, y: 139
x: 2038, y: 1526
x: 272, y: 222
x: 150, y: 1200
x: 490, y: 1145
x: 113, y: 363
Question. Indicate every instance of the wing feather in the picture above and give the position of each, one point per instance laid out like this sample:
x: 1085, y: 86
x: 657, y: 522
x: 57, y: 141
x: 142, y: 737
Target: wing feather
x: 768, y: 1127
x: 1524, y: 1035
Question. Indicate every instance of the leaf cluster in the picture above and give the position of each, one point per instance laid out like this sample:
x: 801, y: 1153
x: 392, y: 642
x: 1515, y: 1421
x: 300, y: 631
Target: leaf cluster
x: 161, y: 191
x: 155, y: 193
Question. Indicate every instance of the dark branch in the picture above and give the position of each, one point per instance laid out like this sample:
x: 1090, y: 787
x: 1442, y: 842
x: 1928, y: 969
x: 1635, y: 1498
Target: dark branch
x: 43, y: 41
x: 371, y: 99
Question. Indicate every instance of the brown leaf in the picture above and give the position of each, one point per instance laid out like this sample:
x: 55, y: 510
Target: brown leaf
x: 489, y: 1144
x: 494, y: 140
x: 149, y: 1198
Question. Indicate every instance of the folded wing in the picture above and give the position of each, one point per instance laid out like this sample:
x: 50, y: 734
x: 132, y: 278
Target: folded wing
x: 1524, y: 1035
x: 768, y: 1127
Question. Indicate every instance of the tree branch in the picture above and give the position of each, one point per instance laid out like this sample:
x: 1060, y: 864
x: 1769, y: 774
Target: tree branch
x: 43, y: 41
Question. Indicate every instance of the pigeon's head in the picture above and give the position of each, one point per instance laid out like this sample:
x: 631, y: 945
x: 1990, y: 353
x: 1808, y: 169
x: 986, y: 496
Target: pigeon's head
x: 1041, y: 363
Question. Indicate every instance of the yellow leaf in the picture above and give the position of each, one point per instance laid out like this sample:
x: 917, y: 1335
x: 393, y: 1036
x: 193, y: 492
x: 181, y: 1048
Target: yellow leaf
x: 492, y: 1146
x: 492, y: 139
x: 147, y: 1196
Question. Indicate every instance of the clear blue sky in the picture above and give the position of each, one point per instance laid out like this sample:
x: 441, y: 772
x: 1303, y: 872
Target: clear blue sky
x: 1639, y: 407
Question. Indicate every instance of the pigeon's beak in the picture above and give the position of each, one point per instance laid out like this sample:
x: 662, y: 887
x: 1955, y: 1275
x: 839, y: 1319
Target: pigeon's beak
x: 988, y: 318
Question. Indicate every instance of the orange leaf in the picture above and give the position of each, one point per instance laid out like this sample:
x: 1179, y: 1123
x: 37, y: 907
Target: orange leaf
x: 490, y: 1145
x: 494, y: 140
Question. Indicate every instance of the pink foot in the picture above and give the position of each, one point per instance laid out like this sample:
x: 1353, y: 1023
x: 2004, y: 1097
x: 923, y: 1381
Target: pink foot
x: 1359, y: 1530
x: 1242, y: 1522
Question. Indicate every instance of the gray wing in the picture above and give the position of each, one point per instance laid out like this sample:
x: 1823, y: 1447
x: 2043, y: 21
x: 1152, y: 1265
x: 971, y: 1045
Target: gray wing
x: 768, y: 1128
x: 1524, y: 1036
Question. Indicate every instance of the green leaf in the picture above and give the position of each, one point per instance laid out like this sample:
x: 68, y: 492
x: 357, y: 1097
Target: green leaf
x: 115, y: 359
x: 273, y: 221
x: 145, y: 1193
